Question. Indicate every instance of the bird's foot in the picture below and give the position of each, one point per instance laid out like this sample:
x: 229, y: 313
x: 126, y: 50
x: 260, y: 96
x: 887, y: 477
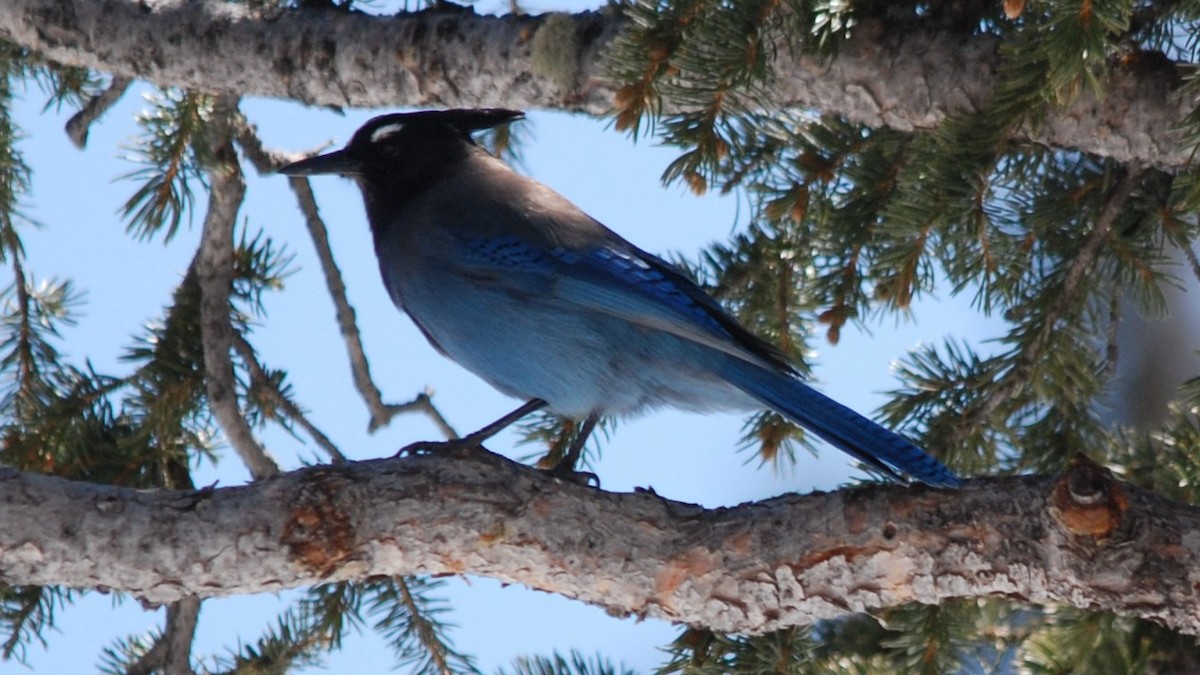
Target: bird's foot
x: 566, y: 471
x: 460, y: 447
x: 465, y: 445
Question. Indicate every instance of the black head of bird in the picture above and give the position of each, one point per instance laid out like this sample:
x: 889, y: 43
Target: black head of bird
x: 395, y: 158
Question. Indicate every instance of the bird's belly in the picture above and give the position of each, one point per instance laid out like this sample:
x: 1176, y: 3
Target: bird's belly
x: 579, y: 363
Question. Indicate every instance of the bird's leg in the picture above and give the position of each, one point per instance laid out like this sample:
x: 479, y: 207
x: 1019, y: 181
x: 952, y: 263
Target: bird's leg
x: 478, y: 437
x: 565, y: 467
x: 474, y: 439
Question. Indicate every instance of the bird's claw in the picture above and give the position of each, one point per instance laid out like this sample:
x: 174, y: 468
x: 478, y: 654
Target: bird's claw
x: 569, y: 474
x: 459, y: 447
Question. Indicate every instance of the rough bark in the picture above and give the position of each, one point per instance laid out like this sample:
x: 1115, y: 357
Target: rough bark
x: 214, y: 269
x: 903, y: 79
x: 1081, y: 539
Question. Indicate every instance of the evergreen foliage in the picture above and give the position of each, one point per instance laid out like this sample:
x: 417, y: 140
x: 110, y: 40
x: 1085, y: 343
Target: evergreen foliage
x: 847, y: 224
x: 879, y: 217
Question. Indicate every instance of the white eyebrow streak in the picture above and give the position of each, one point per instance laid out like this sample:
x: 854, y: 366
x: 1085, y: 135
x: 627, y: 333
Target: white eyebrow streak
x: 386, y: 130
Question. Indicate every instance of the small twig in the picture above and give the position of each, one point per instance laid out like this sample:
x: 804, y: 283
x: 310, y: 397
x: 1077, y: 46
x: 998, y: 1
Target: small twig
x: 423, y: 403
x: 1193, y: 261
x: 381, y: 414
x: 214, y: 271
x: 289, y: 409
x: 1112, y: 351
x: 96, y: 106
x: 264, y: 160
x: 267, y: 160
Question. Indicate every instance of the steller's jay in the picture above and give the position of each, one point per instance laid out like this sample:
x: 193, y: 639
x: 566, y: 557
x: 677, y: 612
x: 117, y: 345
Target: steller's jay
x: 521, y: 287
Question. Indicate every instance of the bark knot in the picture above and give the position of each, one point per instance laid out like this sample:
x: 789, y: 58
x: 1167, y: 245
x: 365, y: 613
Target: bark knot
x: 1088, y: 501
x: 319, y: 536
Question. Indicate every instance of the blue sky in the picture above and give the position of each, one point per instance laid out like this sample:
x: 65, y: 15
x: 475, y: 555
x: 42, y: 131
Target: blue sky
x: 689, y: 457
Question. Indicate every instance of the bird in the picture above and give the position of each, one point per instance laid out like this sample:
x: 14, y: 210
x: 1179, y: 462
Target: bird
x: 521, y: 287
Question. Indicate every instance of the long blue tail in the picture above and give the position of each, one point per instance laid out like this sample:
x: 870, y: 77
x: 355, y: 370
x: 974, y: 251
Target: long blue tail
x: 841, y: 426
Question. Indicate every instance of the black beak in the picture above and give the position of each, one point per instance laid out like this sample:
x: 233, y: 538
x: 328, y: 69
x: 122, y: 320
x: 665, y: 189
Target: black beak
x: 338, y: 162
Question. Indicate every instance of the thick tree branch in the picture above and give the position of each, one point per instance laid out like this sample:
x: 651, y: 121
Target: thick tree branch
x: 446, y: 57
x: 1081, y: 539
x: 883, y: 76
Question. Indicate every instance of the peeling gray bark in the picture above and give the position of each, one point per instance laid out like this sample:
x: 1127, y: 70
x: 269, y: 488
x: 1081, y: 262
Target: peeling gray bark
x: 1082, y: 539
x: 906, y: 80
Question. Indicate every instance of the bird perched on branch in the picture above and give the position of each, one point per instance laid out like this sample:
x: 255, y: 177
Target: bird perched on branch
x: 521, y: 287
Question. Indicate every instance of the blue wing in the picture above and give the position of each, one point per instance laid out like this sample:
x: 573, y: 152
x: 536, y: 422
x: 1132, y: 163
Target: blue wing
x: 638, y: 287
x: 630, y: 284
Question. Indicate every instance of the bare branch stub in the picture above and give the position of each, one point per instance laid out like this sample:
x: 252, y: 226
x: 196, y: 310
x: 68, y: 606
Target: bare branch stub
x: 81, y: 122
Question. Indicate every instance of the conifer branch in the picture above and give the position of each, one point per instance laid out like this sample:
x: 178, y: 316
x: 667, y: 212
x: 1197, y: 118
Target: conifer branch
x: 425, y: 632
x: 1193, y: 261
x: 1081, y: 539
x: 1067, y: 295
x: 150, y: 662
x: 884, y: 75
x: 179, y: 634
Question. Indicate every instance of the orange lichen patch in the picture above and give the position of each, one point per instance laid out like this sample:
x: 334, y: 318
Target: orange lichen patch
x: 497, y: 533
x: 847, y: 552
x: 856, y: 520
x: 453, y: 566
x: 318, y: 535
x: 541, y: 508
x: 669, y: 578
x: 696, y: 562
x: 1088, y: 501
x: 739, y: 544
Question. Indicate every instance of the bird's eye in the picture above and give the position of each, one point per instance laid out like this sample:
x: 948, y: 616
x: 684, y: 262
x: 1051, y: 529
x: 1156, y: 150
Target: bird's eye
x: 385, y: 131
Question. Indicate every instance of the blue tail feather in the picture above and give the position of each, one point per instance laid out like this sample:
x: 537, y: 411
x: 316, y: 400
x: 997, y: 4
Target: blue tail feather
x: 839, y: 425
